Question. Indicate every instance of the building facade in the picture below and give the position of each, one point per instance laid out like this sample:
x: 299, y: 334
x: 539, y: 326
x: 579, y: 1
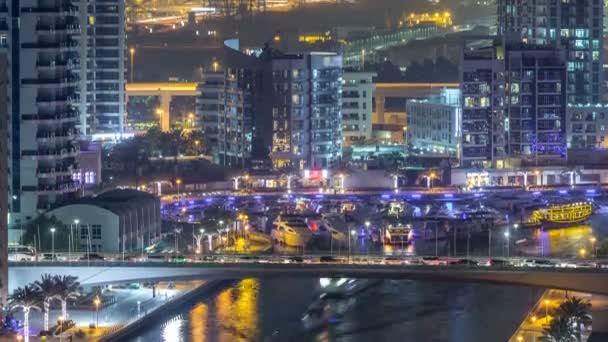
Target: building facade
x: 483, y: 117
x: 434, y: 125
x: 514, y: 106
x: 587, y: 127
x: 306, y: 112
x: 286, y: 108
x: 40, y: 38
x: 103, y: 69
x: 116, y: 221
x: 357, y: 96
x: 4, y: 191
x: 574, y: 25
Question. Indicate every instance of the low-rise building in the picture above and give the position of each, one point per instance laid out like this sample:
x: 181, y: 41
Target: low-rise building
x: 434, y: 124
x: 117, y: 221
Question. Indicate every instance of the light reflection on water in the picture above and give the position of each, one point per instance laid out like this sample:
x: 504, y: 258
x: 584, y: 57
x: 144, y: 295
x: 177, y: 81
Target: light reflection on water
x: 270, y: 310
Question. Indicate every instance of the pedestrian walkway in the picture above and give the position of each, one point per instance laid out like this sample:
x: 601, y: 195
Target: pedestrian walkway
x: 540, y: 317
x: 130, y: 305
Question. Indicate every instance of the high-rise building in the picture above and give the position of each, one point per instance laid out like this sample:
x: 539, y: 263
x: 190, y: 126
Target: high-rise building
x: 103, y: 73
x: 306, y: 112
x: 514, y: 106
x: 43, y: 55
x: 357, y: 94
x: 574, y: 25
x: 283, y: 107
x: 4, y: 121
x: 234, y: 107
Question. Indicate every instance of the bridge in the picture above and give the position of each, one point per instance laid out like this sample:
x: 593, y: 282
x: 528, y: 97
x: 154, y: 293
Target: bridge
x: 165, y: 92
x: 356, y: 52
x: 590, y: 280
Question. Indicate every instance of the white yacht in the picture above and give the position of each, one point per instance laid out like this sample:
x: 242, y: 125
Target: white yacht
x: 291, y: 230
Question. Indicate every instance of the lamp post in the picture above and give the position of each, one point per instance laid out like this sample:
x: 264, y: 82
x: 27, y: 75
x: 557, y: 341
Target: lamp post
x: 507, y: 234
x: 547, y: 302
x: 583, y: 252
x: 350, y: 237
x: 178, y: 182
x: 132, y: 53
x: 53, y: 242
x: 60, y: 320
x: 176, y: 231
x: 593, y: 240
x: 341, y: 176
x: 97, y: 302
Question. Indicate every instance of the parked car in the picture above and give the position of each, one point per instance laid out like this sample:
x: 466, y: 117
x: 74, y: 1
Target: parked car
x: 91, y: 256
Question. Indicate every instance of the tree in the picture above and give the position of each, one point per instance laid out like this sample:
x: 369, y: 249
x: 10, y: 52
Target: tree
x: 576, y: 311
x: 25, y: 298
x: 66, y: 289
x: 48, y: 291
x: 560, y: 330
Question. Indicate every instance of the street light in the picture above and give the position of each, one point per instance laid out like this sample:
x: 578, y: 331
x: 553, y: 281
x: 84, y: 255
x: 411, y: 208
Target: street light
x: 97, y: 302
x: 178, y: 182
x: 593, y: 240
x: 60, y: 320
x: 53, y: 242
x: 71, y: 238
x: 507, y: 237
x: 583, y: 252
x: 352, y: 233
x: 547, y: 302
x: 132, y: 53
x: 367, y: 224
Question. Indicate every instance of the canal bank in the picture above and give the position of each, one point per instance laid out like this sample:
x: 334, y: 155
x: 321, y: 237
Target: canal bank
x: 161, y: 312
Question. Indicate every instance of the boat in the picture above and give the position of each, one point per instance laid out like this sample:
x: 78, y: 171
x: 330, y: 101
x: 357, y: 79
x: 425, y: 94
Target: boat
x: 337, y: 298
x: 325, y: 232
x: 560, y: 214
x: 291, y: 230
x: 398, y: 234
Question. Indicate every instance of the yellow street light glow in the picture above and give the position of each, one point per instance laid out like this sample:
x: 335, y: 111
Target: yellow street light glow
x: 582, y: 252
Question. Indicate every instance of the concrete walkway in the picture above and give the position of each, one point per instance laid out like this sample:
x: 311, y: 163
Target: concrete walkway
x: 543, y: 312
x: 112, y: 317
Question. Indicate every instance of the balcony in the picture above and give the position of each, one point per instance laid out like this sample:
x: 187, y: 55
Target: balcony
x: 46, y: 135
x: 46, y: 99
x: 57, y: 188
x: 57, y: 63
x: 51, y: 172
x: 57, y: 80
x: 51, y: 45
x: 68, y: 28
x: 56, y: 153
x: 51, y: 118
x: 58, y: 9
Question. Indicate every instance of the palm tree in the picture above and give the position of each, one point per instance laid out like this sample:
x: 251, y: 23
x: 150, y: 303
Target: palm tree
x: 66, y: 289
x: 25, y: 298
x: 560, y: 330
x: 48, y: 291
x: 575, y: 311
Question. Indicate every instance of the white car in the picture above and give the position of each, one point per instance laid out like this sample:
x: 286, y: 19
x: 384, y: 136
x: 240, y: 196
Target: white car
x: 434, y: 261
x: 536, y: 263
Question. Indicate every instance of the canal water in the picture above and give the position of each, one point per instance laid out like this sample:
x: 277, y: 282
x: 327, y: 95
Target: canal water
x: 271, y: 310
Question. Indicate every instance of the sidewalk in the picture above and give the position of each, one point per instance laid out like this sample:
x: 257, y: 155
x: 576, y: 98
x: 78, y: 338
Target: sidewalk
x: 112, y: 317
x: 539, y: 318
